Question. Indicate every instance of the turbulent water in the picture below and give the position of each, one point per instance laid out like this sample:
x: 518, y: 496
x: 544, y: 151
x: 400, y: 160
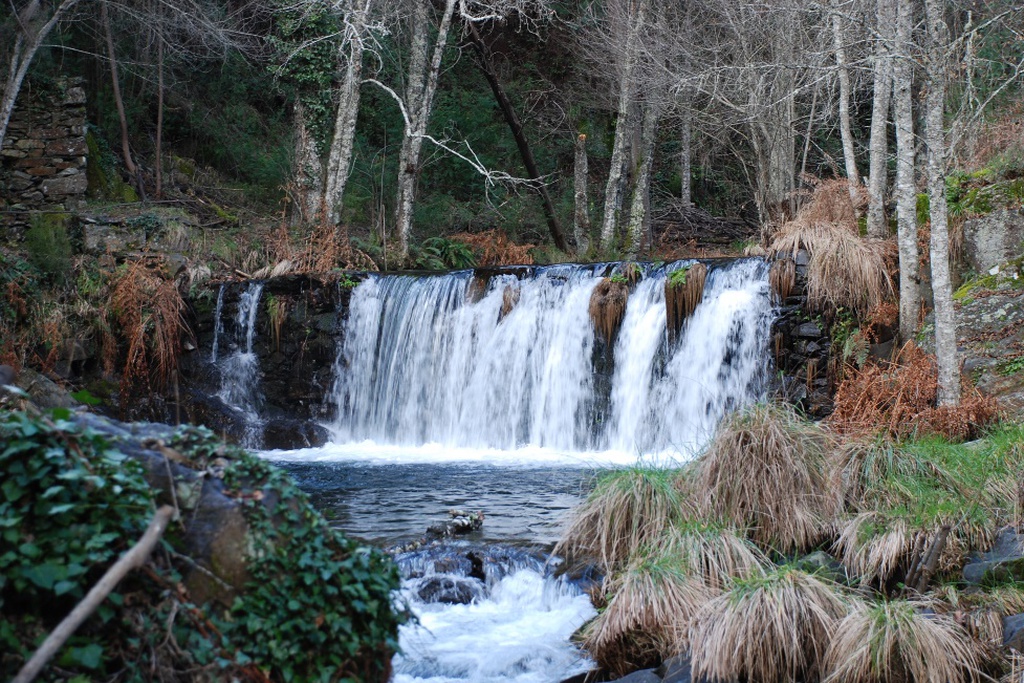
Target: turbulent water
x: 433, y: 360
x: 495, y: 394
x: 240, y: 369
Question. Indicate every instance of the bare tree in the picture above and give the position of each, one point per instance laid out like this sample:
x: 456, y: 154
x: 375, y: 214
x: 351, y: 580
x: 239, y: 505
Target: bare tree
x: 878, y: 150
x: 845, y: 128
x: 906, y: 187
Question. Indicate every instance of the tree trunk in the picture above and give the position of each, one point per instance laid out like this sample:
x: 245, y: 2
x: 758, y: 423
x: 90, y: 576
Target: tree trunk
x: 158, y: 193
x: 308, y: 173
x: 514, y: 124
x: 624, y: 129
x: 641, y: 188
x: 878, y: 152
x: 115, y: 82
x: 935, y: 138
x: 686, y: 157
x: 33, y: 30
x: 339, y: 160
x: 849, y: 158
x: 419, y: 102
x: 581, y: 216
x: 906, y: 188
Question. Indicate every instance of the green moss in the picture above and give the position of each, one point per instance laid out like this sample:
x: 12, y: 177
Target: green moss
x: 49, y: 247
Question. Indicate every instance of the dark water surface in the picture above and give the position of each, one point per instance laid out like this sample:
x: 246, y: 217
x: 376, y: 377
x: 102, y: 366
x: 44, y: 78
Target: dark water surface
x: 393, y: 503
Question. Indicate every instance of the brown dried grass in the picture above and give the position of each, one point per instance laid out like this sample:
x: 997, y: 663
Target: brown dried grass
x: 980, y: 614
x: 899, y: 399
x: 608, y: 308
x: 765, y: 471
x: 769, y: 629
x: 682, y: 299
x: 895, y: 642
x: 655, y: 599
x: 149, y: 312
x: 782, y: 278
x: 627, y: 511
x: 714, y: 552
x: 494, y: 248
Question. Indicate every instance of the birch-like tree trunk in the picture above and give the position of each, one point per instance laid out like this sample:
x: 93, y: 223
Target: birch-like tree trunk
x: 339, y: 159
x: 33, y: 27
x: 686, y: 157
x: 115, y: 82
x: 935, y: 138
x: 878, y: 150
x: 641, y: 188
x: 906, y: 188
x: 308, y: 173
x: 849, y: 158
x: 581, y: 216
x: 419, y: 102
x: 625, y: 125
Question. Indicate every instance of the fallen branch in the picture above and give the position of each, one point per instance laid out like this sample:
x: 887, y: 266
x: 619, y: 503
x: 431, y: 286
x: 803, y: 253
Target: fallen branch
x: 135, y: 557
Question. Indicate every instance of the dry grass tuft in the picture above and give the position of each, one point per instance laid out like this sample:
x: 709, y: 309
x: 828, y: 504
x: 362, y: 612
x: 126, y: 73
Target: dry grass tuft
x: 980, y: 614
x: 509, y: 298
x: 608, y: 308
x: 845, y: 270
x: 899, y: 399
x: 150, y: 313
x: 655, y: 600
x: 765, y: 471
x: 767, y: 629
x: 714, y: 552
x: 683, y: 294
x: 878, y: 548
x: 782, y: 278
x: 627, y: 511
x: 494, y: 248
x: 894, y: 641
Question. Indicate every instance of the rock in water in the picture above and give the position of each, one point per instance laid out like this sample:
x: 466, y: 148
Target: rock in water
x: 460, y: 522
x: 7, y: 375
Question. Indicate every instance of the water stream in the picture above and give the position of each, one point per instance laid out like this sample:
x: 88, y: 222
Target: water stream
x: 496, y: 395
x: 240, y: 369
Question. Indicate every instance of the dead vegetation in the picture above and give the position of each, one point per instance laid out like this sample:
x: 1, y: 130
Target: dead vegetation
x: 684, y: 290
x: 845, y: 270
x: 608, y: 307
x: 494, y: 248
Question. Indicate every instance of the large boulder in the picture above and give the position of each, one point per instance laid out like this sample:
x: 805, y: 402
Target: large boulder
x: 1003, y: 563
x: 994, y: 239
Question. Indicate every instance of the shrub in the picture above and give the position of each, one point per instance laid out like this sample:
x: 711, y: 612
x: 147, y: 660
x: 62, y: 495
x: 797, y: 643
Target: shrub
x: 48, y: 245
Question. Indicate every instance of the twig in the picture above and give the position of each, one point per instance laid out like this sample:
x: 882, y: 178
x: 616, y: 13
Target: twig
x: 135, y: 557
x: 932, y: 560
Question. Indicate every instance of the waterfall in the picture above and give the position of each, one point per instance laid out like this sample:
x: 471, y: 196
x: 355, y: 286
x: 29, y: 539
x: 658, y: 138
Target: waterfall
x: 218, y: 325
x: 514, y: 363
x: 240, y: 369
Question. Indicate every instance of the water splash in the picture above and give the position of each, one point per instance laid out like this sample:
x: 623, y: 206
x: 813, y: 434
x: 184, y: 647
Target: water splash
x: 218, y: 324
x: 435, y: 360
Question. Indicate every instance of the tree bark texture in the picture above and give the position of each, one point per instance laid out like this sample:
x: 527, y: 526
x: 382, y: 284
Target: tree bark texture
x: 308, y: 173
x: 625, y: 124
x: 849, y: 157
x: 878, y: 150
x: 581, y: 216
x: 906, y: 188
x: 641, y: 188
x: 516, y: 126
x: 686, y: 157
x: 935, y: 138
x: 158, y: 193
x: 419, y: 102
x: 339, y: 159
x: 115, y: 82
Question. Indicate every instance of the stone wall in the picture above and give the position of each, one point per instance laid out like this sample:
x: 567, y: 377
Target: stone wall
x: 43, y: 160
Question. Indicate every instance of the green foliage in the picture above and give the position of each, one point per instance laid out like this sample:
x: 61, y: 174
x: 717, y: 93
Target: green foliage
x: 619, y: 279
x: 923, y: 208
x: 1012, y: 367
x: 677, y: 278
x: 319, y: 605
x: 48, y: 245
x: 848, y: 338
x: 441, y: 253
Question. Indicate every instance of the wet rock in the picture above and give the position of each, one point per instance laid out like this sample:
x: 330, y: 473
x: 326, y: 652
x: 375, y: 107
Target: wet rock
x: 823, y: 565
x: 286, y: 434
x: 809, y: 330
x: 1013, y: 632
x: 1005, y: 562
x: 43, y: 391
x: 676, y: 669
x: 461, y: 522
x: 450, y: 590
x: 585, y: 677
x: 641, y: 676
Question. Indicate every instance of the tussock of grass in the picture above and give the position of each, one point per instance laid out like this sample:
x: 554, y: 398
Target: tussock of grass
x: 980, y: 614
x: 767, y: 628
x: 782, y: 278
x: 845, y: 270
x: 626, y: 512
x: 714, y: 552
x: 765, y: 471
x: 608, y: 307
x: 894, y: 641
x: 683, y: 293
x: 655, y: 599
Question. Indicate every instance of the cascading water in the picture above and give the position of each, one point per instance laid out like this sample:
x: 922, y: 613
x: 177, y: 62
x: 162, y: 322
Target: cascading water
x: 218, y: 325
x: 497, y: 395
x: 240, y: 369
x: 422, y: 362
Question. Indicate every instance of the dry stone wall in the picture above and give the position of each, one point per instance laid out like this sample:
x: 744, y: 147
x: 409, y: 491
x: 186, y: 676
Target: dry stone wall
x: 44, y: 155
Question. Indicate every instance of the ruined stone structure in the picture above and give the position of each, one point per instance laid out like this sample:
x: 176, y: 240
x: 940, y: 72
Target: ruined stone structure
x: 43, y: 160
